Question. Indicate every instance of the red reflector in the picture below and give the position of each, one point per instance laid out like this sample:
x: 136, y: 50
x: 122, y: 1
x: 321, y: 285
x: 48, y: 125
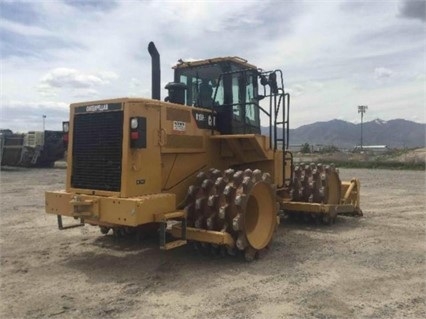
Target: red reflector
x: 134, y: 135
x: 65, y: 137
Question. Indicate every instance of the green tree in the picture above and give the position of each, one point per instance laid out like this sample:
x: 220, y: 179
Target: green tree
x: 306, y: 148
x: 329, y: 149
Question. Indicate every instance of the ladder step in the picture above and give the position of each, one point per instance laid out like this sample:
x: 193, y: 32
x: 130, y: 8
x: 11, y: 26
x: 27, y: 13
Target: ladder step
x: 62, y: 227
x: 173, y: 244
x: 162, y: 217
x: 179, y: 214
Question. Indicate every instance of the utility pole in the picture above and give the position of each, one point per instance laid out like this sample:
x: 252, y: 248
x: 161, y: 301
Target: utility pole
x: 362, y: 109
x: 44, y: 118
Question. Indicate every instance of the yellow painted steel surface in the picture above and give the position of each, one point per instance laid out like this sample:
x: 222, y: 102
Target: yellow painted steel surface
x: 349, y: 203
x: 173, y: 244
x: 261, y: 215
x: 110, y: 210
x: 169, y: 150
x: 163, y: 217
x: 317, y: 208
x: 173, y: 156
x: 203, y: 235
x: 176, y: 151
x: 351, y: 191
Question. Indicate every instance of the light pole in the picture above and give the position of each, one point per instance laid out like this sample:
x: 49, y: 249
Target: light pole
x: 44, y: 118
x: 362, y: 109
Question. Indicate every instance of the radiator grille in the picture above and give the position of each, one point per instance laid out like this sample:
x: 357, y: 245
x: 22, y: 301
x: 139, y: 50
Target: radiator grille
x: 97, y: 148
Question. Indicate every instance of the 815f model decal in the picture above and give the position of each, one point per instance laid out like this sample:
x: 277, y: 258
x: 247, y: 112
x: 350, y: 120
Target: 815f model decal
x: 204, y: 119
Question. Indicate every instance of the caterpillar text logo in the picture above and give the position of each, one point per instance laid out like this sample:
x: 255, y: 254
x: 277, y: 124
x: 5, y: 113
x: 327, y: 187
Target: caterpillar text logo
x: 97, y: 108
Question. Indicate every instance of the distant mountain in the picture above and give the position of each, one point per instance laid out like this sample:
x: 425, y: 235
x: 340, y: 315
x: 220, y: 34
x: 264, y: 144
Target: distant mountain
x: 397, y: 133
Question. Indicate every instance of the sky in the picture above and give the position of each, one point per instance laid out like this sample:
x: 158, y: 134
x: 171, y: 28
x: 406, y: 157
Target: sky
x: 335, y: 55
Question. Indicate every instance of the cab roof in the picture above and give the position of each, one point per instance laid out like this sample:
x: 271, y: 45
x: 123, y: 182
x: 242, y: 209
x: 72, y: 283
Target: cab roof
x: 237, y: 60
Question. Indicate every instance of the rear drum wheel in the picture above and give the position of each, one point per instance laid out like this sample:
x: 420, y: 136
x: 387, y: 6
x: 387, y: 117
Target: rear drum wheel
x: 316, y: 183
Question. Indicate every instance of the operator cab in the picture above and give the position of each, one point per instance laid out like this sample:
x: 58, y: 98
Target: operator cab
x: 227, y: 85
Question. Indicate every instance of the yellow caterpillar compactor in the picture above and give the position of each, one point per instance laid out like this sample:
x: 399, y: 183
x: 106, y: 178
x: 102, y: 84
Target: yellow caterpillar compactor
x: 196, y: 165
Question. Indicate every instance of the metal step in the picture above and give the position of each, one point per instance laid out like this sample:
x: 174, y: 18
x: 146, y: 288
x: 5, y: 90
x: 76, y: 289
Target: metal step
x: 173, y: 244
x: 163, y: 218
x: 62, y: 227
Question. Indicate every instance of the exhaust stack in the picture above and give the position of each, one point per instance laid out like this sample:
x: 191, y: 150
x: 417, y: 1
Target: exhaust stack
x: 156, y: 72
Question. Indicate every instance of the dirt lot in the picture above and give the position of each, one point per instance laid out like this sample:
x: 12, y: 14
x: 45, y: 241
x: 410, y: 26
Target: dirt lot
x: 370, y: 267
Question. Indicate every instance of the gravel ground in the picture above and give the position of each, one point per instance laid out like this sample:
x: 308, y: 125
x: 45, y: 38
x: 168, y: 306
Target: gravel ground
x: 369, y: 267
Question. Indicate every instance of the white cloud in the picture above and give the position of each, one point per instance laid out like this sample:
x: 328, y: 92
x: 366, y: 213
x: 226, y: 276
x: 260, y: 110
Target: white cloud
x: 382, y: 73
x: 46, y: 90
x: 86, y: 93
x: 107, y: 75
x: 296, y: 90
x: 332, y: 58
x: 42, y: 105
x: 137, y: 88
x: 71, y: 78
x: 27, y: 30
x: 421, y: 77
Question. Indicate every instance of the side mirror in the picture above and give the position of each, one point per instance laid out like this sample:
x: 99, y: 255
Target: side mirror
x: 263, y: 80
x: 273, y: 82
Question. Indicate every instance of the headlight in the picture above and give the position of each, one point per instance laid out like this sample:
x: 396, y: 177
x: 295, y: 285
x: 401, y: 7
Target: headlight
x: 65, y: 127
x: 134, y: 123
